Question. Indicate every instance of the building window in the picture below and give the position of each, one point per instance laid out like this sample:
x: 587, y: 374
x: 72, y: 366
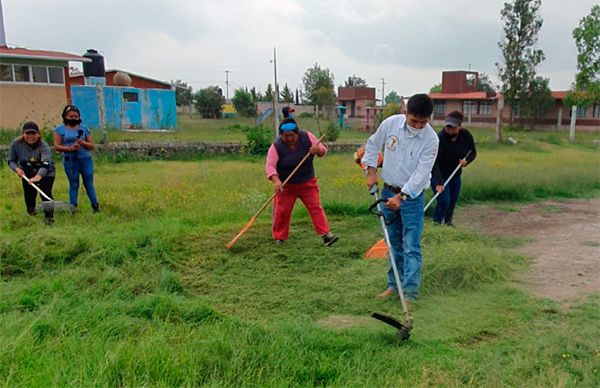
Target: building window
x: 35, y: 74
x: 130, y: 96
x: 21, y: 73
x: 438, y: 107
x: 6, y: 73
x: 485, y: 108
x: 469, y: 107
x: 596, y: 111
x: 581, y: 111
x: 516, y: 110
x: 56, y: 75
x: 40, y: 74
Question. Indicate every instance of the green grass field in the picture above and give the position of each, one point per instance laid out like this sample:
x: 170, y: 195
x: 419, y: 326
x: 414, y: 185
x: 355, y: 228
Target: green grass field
x: 146, y: 294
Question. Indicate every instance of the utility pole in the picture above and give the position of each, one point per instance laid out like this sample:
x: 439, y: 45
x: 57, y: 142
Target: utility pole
x: 275, y: 96
x: 227, y: 84
x: 2, y: 30
x: 382, y: 92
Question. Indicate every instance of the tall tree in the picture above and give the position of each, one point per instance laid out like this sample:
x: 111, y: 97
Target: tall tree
x: 256, y: 96
x: 286, y: 94
x: 244, y: 103
x: 539, y: 99
x: 183, y: 93
x: 485, y: 83
x: 208, y: 102
x: 355, y: 82
x: 268, y: 93
x: 522, y: 23
x: 587, y: 79
x: 392, y: 97
x: 315, y: 78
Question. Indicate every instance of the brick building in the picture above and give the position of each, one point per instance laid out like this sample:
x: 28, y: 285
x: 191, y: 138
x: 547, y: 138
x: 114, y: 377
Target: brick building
x: 460, y: 92
x: 356, y: 100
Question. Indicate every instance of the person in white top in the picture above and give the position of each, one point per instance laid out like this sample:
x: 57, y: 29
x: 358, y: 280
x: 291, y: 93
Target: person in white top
x: 410, y: 146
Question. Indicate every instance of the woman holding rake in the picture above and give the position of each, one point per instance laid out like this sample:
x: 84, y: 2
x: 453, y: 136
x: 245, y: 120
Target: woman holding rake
x: 283, y: 157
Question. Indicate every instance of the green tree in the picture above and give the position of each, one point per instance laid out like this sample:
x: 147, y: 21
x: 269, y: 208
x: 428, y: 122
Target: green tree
x: 183, y: 93
x: 587, y: 80
x: 315, y: 78
x: 392, y: 98
x: 208, y: 102
x: 244, y: 103
x: 437, y: 88
x: 355, y: 82
x: 485, y: 83
x: 286, y: 94
x: 256, y: 96
x: 522, y: 23
x: 268, y: 93
x: 538, y: 100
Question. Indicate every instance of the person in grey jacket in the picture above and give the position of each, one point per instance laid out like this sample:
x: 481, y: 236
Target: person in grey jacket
x: 29, y: 156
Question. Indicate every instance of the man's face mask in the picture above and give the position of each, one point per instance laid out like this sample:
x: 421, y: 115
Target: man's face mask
x: 413, y: 130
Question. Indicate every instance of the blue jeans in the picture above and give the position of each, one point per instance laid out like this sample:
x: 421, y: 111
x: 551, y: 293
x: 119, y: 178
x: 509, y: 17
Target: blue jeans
x: 73, y: 168
x: 446, y: 201
x: 405, y: 231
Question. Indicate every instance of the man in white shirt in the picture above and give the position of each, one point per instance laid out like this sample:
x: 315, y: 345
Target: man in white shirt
x: 410, y: 146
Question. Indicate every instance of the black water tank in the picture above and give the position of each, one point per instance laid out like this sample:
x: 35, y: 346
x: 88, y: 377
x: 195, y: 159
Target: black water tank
x: 95, y: 68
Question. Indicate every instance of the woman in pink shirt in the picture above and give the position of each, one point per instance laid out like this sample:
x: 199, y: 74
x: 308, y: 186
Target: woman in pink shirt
x: 284, y: 155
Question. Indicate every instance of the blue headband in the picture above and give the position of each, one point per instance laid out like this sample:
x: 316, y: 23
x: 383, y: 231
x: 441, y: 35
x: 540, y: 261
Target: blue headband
x: 288, y: 127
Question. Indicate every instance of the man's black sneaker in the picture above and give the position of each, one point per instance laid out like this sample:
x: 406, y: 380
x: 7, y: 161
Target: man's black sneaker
x: 329, y: 239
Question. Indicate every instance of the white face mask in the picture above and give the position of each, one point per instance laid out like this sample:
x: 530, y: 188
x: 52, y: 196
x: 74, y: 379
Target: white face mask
x: 414, y: 131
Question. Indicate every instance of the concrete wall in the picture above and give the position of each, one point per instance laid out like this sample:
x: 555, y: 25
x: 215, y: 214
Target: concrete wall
x: 299, y: 109
x: 29, y: 102
x: 154, y: 108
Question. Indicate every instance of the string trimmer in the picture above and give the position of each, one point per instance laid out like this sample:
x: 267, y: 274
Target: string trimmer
x: 405, y: 327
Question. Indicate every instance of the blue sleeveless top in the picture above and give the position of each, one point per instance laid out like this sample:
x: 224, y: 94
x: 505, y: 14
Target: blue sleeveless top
x: 69, y: 136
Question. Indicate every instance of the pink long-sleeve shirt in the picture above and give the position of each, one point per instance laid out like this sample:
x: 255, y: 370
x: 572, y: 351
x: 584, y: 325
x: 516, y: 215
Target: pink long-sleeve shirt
x: 273, y: 156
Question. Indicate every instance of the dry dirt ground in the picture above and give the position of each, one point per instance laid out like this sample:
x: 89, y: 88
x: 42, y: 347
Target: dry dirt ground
x: 562, y: 237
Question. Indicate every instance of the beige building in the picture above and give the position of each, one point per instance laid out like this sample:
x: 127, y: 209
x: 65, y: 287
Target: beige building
x: 34, y: 86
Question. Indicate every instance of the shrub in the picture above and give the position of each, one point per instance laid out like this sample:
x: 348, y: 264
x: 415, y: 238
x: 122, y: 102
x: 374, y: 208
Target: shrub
x: 332, y: 132
x: 258, y: 140
x: 305, y: 115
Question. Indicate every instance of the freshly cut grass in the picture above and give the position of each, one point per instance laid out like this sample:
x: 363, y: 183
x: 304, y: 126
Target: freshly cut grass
x: 146, y: 294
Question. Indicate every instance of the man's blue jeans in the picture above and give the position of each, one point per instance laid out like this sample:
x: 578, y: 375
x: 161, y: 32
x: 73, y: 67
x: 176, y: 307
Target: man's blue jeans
x: 405, y: 231
x: 446, y: 201
x: 73, y: 168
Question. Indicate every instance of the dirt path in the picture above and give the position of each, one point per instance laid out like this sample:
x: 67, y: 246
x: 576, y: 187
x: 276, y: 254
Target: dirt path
x: 562, y: 237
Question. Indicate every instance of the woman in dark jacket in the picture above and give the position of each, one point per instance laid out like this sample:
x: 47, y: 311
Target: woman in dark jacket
x: 29, y: 156
x: 455, y: 144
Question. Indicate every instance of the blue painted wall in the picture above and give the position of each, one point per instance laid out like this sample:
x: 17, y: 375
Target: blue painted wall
x: 154, y: 108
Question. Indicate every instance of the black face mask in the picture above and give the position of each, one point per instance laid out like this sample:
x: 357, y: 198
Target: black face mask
x: 72, y: 122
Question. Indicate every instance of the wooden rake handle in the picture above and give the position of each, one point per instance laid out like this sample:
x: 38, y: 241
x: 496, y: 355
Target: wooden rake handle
x: 255, y: 216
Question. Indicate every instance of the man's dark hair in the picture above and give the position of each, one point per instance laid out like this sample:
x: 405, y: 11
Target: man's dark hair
x: 420, y: 105
x: 457, y: 115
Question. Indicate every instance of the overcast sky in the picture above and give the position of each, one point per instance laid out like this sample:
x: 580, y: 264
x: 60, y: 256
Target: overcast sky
x: 406, y: 42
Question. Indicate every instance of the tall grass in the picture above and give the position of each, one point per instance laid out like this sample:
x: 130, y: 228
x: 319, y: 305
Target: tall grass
x: 145, y: 292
